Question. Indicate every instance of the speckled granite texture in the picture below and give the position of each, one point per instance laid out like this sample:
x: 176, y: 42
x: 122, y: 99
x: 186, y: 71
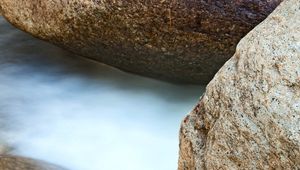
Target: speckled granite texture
x: 249, y: 116
x: 183, y: 41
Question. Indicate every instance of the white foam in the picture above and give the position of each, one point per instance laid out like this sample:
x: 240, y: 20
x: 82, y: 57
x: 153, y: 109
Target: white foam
x: 83, y: 115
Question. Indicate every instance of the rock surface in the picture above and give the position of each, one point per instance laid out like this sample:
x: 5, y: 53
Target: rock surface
x: 249, y: 116
x: 20, y: 163
x: 184, y: 40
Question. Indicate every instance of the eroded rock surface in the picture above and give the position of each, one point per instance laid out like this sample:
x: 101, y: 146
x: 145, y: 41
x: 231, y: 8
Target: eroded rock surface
x: 9, y: 162
x: 181, y: 40
x: 249, y: 116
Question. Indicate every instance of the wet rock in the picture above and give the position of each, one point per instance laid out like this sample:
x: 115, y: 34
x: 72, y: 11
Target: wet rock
x: 186, y: 41
x: 249, y: 116
x: 8, y: 162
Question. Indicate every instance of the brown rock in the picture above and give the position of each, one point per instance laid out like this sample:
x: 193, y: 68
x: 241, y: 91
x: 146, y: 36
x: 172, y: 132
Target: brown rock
x: 20, y: 163
x: 184, y: 40
x: 249, y: 116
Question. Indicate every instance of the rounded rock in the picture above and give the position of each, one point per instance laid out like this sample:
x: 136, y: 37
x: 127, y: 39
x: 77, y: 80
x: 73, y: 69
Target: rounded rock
x: 10, y: 162
x: 183, y: 41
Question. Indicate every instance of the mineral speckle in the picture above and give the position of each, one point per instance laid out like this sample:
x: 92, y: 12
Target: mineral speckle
x: 249, y: 116
x: 184, y: 40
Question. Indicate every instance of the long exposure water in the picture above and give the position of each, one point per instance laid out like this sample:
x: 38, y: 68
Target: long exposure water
x: 83, y: 115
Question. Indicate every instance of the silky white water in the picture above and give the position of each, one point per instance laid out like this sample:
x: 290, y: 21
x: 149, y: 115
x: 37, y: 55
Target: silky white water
x: 83, y: 115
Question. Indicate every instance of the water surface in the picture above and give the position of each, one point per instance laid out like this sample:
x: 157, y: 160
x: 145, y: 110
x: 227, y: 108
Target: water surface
x: 83, y: 115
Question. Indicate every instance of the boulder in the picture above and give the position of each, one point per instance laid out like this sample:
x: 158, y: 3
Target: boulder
x: 184, y: 41
x: 249, y: 116
x: 9, y: 162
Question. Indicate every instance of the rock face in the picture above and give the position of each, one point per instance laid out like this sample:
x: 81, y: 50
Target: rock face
x: 182, y: 40
x: 249, y: 116
x: 21, y: 163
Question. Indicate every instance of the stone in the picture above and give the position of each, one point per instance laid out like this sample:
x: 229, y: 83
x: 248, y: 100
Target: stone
x: 9, y: 162
x: 249, y: 116
x: 184, y: 41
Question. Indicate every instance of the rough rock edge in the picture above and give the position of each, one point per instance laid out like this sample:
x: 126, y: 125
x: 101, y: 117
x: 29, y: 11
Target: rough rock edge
x: 278, y: 147
x: 12, y: 162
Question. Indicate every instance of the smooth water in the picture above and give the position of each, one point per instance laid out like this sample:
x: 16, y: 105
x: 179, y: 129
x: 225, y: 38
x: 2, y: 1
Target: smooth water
x: 83, y: 115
